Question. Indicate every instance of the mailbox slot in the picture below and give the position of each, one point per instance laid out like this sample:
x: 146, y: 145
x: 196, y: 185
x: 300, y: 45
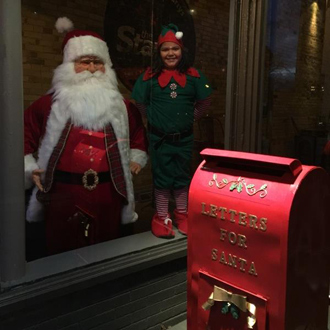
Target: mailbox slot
x: 225, y: 315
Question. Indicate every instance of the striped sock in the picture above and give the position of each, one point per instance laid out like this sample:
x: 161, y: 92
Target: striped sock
x: 162, y: 197
x: 181, y: 199
x: 200, y: 107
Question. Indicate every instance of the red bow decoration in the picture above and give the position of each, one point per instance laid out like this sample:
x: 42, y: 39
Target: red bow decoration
x: 166, y: 75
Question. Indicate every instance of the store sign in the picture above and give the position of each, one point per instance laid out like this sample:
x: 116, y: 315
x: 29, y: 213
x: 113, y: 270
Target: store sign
x: 131, y: 29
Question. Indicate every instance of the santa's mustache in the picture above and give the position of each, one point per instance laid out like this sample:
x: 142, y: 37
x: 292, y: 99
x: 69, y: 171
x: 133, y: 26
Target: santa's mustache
x: 86, y: 77
x: 65, y: 76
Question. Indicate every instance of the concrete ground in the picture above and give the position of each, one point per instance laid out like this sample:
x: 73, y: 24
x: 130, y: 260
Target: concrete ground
x: 183, y: 325
x: 180, y: 326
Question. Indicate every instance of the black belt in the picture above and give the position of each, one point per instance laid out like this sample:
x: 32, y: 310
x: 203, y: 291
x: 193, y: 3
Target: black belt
x: 170, y: 137
x: 90, y: 179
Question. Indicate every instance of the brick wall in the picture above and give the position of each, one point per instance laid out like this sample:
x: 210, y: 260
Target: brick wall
x: 296, y: 44
x: 211, y: 20
x: 152, y: 299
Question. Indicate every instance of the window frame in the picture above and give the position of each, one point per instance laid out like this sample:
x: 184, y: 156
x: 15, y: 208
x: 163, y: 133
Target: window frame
x: 13, y: 269
x: 73, y: 268
x: 12, y: 208
x: 60, y: 274
x: 246, y: 51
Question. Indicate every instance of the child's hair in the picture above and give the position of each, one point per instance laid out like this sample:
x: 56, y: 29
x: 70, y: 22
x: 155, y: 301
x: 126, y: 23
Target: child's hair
x: 158, y: 65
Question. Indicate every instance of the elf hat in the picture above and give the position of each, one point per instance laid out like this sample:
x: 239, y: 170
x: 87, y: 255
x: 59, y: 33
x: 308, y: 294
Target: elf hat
x: 170, y: 33
x: 79, y: 43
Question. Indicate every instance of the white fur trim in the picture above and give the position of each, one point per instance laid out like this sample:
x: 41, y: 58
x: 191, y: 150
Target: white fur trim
x: 179, y: 35
x: 35, y: 210
x: 86, y: 45
x: 139, y: 156
x: 126, y: 214
x: 63, y: 24
x: 30, y: 164
x: 60, y: 114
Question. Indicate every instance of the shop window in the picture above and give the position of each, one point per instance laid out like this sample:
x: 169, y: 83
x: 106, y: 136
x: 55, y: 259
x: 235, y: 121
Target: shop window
x: 295, y: 119
x: 131, y: 32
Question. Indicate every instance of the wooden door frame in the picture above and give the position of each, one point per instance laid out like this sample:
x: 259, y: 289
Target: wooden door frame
x: 246, y: 49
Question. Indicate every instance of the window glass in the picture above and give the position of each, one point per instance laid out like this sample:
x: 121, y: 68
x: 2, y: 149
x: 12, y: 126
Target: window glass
x: 80, y: 148
x: 296, y: 113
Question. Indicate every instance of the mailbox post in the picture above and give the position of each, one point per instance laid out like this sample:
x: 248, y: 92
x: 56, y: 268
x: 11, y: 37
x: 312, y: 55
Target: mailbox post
x: 258, y: 243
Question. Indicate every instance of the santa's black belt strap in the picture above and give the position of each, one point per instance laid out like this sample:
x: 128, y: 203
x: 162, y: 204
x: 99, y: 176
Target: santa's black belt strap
x: 78, y: 178
x: 170, y: 137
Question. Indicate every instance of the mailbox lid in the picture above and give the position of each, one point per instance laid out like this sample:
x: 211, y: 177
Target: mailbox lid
x: 258, y: 163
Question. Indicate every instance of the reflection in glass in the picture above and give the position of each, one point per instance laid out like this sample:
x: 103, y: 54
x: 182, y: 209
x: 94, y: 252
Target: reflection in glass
x: 131, y: 31
x: 295, y: 114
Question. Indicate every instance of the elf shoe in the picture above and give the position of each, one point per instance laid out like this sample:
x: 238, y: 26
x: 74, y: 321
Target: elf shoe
x: 181, y: 220
x: 162, y: 228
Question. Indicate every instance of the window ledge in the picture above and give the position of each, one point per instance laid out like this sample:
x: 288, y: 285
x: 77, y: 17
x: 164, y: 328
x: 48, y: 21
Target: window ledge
x: 67, y: 272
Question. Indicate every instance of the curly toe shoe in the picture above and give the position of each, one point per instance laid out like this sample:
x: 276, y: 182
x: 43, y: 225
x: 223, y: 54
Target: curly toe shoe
x: 181, y: 220
x: 162, y: 228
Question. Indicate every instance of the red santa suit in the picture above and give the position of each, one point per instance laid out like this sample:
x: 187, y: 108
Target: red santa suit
x: 84, y: 135
x: 82, y: 150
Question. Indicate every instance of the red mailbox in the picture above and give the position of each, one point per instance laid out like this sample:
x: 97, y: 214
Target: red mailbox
x: 258, y: 238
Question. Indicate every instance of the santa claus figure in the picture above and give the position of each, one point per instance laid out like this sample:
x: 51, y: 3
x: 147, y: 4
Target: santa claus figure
x: 83, y: 141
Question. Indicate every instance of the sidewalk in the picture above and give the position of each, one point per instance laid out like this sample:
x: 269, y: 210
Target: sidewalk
x: 183, y: 325
x: 180, y: 326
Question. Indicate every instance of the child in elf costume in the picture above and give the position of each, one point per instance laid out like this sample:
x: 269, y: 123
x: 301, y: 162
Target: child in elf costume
x: 172, y: 94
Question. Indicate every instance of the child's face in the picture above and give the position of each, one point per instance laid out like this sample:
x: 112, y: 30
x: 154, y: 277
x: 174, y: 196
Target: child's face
x: 171, y: 54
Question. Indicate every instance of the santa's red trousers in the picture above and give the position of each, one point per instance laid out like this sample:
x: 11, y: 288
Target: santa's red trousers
x: 77, y: 217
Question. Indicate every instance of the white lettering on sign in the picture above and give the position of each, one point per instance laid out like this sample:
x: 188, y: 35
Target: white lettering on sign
x: 132, y: 42
x: 178, y: 7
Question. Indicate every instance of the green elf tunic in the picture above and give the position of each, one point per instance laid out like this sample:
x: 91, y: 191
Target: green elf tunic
x: 169, y: 99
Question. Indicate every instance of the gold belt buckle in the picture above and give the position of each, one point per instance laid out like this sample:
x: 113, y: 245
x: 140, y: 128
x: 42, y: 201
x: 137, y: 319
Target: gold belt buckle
x: 85, y: 180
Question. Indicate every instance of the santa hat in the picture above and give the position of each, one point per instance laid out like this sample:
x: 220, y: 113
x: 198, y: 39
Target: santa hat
x: 170, y: 33
x: 79, y: 43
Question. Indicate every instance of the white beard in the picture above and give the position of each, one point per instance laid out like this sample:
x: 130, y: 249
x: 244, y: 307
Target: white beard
x: 90, y: 101
x: 86, y: 98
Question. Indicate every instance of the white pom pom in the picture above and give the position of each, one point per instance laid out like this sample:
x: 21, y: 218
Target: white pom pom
x: 179, y: 35
x: 63, y: 24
